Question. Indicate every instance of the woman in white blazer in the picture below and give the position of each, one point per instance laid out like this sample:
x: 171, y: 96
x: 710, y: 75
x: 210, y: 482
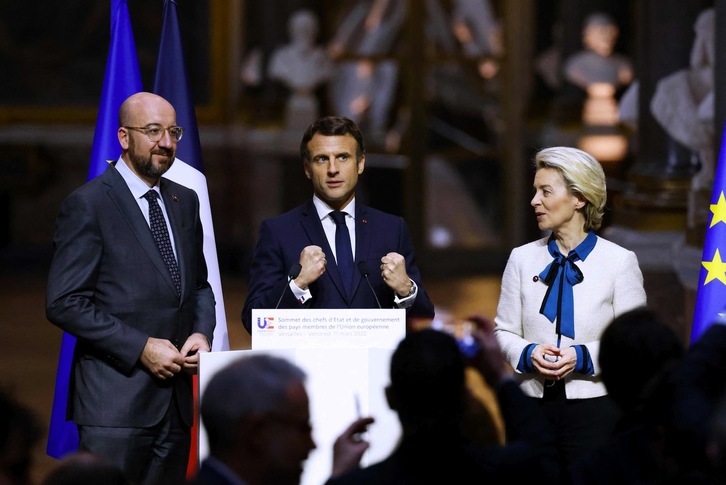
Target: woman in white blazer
x: 559, y: 293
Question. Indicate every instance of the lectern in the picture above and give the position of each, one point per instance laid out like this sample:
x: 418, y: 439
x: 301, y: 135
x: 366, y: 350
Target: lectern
x: 346, y: 354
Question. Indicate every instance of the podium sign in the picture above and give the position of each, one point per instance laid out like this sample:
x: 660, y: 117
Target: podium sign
x: 346, y: 355
x: 336, y: 329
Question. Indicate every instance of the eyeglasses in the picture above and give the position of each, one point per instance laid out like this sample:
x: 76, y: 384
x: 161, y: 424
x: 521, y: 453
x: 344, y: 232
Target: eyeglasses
x: 290, y: 422
x: 155, y: 132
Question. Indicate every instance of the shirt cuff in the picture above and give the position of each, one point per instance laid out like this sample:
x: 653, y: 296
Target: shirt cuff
x: 406, y: 301
x: 300, y: 295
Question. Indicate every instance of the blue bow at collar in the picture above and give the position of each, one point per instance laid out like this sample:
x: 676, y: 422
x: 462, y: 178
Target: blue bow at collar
x: 560, y: 276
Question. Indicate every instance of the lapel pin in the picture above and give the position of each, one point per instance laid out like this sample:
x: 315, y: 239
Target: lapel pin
x: 175, y: 198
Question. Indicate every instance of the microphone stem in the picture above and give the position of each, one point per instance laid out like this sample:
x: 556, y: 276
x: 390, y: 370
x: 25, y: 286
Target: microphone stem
x: 279, y: 300
x: 374, y: 293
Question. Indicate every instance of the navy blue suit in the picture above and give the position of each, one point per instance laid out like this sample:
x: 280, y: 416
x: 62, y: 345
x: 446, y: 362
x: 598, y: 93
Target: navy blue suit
x: 281, y: 240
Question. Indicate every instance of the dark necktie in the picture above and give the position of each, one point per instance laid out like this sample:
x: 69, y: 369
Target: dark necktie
x: 161, y: 236
x: 343, y: 251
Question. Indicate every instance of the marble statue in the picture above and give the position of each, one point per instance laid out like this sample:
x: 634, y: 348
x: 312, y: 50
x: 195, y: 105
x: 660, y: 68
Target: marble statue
x: 683, y: 101
x: 600, y: 72
x: 598, y: 63
x: 302, y: 67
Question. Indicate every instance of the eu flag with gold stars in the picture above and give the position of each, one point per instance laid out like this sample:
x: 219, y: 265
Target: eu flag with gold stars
x: 711, y: 292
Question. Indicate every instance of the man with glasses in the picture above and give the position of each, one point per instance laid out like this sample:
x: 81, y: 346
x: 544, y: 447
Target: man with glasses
x: 256, y: 412
x: 156, y: 132
x: 129, y: 280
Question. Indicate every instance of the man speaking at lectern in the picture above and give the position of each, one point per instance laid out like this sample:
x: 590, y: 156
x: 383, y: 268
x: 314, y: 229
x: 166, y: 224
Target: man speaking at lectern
x: 332, y: 251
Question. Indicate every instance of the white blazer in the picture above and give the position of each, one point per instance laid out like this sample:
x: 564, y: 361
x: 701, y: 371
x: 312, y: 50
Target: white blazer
x: 612, y: 285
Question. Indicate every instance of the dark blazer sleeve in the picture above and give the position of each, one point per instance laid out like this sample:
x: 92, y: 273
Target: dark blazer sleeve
x: 268, y: 281
x: 377, y: 234
x: 422, y: 307
x: 77, y: 270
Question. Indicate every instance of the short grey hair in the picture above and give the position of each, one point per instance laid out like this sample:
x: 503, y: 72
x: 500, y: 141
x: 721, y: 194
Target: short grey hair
x: 249, y: 386
x: 583, y: 176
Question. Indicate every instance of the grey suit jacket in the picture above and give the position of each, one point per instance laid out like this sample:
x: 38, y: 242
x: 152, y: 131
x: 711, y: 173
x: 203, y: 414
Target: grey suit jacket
x: 108, y: 287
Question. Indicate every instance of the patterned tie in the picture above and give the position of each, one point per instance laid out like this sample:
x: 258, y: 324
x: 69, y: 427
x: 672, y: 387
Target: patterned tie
x: 343, y: 251
x: 161, y: 236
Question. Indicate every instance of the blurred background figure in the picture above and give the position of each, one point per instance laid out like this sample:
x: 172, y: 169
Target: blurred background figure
x: 363, y: 90
x: 257, y: 415
x: 638, y: 355
x: 85, y: 468
x: 302, y: 67
x: 428, y: 392
x: 701, y: 389
x: 20, y: 431
x: 365, y: 82
x: 598, y: 63
x: 601, y: 73
x: 716, y: 444
x: 683, y: 102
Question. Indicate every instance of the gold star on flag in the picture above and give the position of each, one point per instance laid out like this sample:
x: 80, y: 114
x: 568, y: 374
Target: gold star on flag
x: 716, y: 268
x: 719, y: 211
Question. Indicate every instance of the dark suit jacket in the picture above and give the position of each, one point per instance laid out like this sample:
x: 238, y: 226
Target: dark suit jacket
x: 108, y: 286
x: 700, y: 387
x: 282, y: 239
x: 210, y: 474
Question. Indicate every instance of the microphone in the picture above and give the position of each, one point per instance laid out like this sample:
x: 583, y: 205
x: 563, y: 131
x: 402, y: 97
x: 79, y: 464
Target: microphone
x: 291, y: 275
x: 363, y: 268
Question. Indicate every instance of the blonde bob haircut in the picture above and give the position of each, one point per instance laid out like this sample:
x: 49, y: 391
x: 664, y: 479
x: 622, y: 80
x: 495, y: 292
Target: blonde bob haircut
x: 583, y: 176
